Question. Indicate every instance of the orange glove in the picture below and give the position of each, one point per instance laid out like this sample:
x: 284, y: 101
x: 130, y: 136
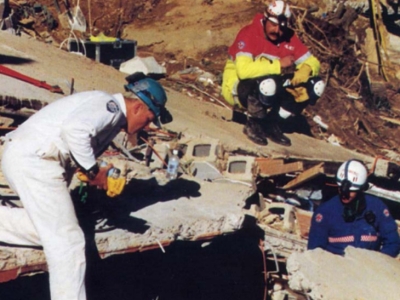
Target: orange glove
x: 299, y: 93
x: 301, y: 75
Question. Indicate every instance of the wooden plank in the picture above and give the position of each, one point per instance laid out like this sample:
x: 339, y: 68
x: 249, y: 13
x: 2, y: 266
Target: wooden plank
x: 391, y: 120
x: 305, y: 176
x: 273, y: 167
x: 303, y: 219
x: 264, y: 160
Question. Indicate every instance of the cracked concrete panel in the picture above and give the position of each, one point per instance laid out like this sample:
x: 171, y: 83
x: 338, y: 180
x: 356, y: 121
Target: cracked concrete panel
x: 214, y: 207
x: 359, y: 274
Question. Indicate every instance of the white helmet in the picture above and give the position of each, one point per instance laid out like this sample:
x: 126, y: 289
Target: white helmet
x: 354, y: 173
x: 319, y: 88
x: 268, y: 87
x: 278, y: 12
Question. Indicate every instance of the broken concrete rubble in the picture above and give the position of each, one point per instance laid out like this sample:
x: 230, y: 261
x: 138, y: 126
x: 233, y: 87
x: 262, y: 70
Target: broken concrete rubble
x: 359, y: 274
x: 190, y: 218
x: 208, y: 212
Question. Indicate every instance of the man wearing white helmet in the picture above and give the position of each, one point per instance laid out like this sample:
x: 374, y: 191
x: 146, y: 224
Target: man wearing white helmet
x: 353, y: 218
x: 261, y: 53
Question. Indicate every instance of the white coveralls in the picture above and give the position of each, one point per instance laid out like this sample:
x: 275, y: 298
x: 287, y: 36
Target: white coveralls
x: 35, y: 162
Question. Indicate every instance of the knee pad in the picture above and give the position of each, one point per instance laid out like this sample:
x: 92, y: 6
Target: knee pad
x: 263, y: 88
x: 315, y: 89
x: 268, y: 90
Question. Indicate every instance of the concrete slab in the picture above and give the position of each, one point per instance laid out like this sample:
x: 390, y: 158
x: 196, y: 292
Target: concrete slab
x: 359, y: 274
x: 204, y: 170
x: 185, y: 209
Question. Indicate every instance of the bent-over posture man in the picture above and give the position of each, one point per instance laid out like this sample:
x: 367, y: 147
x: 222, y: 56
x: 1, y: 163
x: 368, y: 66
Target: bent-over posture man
x: 36, y: 163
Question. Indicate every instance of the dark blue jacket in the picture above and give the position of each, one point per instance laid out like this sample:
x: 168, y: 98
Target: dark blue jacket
x: 329, y: 231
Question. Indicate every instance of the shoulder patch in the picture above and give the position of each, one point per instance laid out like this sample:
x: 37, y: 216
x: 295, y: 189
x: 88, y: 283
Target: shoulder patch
x: 318, y: 218
x: 241, y: 45
x: 386, y: 212
x: 112, y: 106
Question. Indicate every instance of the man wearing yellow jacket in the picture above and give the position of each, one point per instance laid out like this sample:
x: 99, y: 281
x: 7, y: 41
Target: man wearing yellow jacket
x: 253, y: 75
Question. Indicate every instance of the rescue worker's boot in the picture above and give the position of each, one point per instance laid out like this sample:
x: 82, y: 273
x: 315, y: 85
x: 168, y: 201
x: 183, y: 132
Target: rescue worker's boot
x: 274, y: 133
x: 254, y: 131
x: 255, y: 120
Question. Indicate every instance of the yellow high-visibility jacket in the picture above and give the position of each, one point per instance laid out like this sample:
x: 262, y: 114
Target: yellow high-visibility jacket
x: 252, y: 55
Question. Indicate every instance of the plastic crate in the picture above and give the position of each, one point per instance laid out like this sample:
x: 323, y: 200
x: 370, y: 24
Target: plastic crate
x: 108, y: 53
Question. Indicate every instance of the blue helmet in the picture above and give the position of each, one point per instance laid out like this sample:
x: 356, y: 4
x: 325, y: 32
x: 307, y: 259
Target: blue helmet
x: 153, y: 95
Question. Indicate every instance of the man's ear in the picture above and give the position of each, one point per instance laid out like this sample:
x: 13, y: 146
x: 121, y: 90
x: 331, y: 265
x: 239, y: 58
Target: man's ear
x: 138, y: 106
x: 133, y: 107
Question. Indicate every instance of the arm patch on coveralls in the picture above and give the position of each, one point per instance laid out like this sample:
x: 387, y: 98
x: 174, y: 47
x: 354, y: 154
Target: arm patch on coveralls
x: 112, y: 106
x: 318, y: 218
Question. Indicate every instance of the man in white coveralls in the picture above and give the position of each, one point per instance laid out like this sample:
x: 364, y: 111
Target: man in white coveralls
x: 36, y: 163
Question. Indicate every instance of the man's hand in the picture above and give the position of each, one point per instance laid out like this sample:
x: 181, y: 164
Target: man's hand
x: 299, y: 93
x: 101, y: 178
x: 287, y: 61
x: 301, y: 75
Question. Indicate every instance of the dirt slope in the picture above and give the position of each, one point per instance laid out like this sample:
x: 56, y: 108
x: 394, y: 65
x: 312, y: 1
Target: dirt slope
x: 183, y: 34
x: 191, y: 117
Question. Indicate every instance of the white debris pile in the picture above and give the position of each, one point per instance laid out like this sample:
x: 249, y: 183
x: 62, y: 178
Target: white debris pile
x: 359, y: 274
